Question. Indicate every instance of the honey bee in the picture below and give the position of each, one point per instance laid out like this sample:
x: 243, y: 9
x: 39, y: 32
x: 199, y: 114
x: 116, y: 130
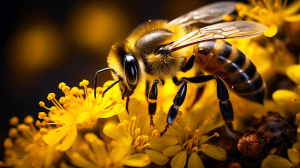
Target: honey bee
x: 158, y: 50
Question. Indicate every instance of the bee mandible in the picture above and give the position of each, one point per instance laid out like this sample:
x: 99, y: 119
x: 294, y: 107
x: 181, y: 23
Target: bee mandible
x: 158, y: 50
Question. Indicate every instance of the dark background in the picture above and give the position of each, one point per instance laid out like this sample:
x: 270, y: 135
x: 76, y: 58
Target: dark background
x: 48, y: 42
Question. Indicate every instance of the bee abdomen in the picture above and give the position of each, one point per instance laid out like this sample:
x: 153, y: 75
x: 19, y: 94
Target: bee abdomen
x: 232, y: 66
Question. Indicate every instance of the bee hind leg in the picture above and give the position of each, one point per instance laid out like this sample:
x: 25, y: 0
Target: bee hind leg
x: 177, y: 102
x: 223, y: 96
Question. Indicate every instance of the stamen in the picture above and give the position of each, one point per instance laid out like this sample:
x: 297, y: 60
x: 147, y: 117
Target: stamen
x: 42, y: 104
x: 65, y: 89
x: 137, y: 132
x: 206, y: 146
x: 13, y: 132
x: 215, y: 135
x: 8, y: 143
x: 42, y: 115
x: 14, y: 121
x: 133, y: 124
x: 195, y: 149
x: 61, y: 85
x: 28, y: 119
x: 84, y: 83
x: 187, y: 131
x: 206, y: 124
x: 43, y: 131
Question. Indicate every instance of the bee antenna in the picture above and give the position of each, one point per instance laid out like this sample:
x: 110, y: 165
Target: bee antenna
x: 109, y: 87
x: 101, y: 70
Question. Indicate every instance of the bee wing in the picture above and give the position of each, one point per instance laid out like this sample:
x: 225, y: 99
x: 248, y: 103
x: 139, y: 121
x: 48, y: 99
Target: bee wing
x: 225, y: 30
x: 210, y: 13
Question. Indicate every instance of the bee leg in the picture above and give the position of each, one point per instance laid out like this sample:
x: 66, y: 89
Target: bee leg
x: 225, y: 105
x: 223, y: 96
x: 152, y: 98
x: 177, y: 102
x: 189, y: 64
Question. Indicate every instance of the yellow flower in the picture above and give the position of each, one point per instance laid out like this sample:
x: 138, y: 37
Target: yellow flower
x: 272, y: 13
x: 77, y: 111
x: 192, y: 140
x: 143, y: 138
x: 94, y: 153
x: 290, y: 100
x: 275, y: 161
x: 25, y: 147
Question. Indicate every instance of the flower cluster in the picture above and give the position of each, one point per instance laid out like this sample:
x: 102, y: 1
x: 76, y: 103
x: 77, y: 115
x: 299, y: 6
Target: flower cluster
x: 272, y: 13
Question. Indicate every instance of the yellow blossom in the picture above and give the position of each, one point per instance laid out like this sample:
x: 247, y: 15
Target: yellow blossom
x: 272, y: 13
x: 78, y: 110
x: 192, y: 141
x: 274, y: 161
x: 144, y: 139
x: 25, y: 147
x: 288, y: 99
x: 94, y: 153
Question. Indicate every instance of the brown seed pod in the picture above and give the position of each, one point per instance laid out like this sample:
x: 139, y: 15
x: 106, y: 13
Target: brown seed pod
x: 251, y: 145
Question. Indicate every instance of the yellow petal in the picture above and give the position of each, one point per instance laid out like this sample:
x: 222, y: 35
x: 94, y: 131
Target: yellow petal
x: 272, y: 31
x: 137, y: 160
x: 118, y: 108
x: 173, y: 150
x: 292, y: 8
x: 284, y: 97
x: 293, y: 18
x: 53, y: 137
x: 293, y: 155
x: 293, y: 72
x: 122, y: 149
x: 69, y: 139
x: 274, y: 161
x: 160, y: 144
x: 123, y: 116
x: 113, y: 132
x: 214, y: 152
x: 80, y: 161
x: 179, y: 160
x: 132, y: 107
x: 195, y: 161
x: 157, y: 157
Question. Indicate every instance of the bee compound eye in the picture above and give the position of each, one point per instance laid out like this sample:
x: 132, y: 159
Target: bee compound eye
x: 131, y: 71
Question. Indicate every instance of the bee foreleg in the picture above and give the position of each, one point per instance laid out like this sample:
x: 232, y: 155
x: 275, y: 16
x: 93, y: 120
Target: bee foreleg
x: 152, y: 98
x: 177, y: 102
x: 189, y: 64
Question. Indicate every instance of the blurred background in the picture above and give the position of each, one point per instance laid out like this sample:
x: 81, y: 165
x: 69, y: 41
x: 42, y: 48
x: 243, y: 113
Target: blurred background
x: 47, y: 42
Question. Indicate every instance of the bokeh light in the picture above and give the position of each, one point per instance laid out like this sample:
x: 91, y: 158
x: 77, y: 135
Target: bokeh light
x: 95, y: 27
x: 34, y: 48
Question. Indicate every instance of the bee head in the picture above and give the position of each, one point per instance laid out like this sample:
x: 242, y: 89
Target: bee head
x: 125, y: 68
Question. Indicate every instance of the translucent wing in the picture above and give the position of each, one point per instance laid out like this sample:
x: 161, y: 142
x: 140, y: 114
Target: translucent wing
x: 225, y: 30
x: 210, y: 13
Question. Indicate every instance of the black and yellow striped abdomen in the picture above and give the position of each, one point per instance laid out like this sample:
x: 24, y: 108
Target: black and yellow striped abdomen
x: 233, y: 67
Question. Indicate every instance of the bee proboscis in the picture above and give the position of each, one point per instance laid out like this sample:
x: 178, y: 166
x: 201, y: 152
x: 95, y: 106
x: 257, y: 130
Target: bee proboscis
x: 158, y: 50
